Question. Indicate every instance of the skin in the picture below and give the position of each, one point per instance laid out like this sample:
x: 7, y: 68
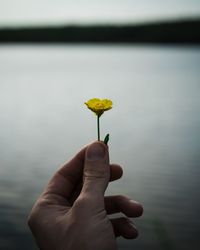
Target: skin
x: 72, y: 212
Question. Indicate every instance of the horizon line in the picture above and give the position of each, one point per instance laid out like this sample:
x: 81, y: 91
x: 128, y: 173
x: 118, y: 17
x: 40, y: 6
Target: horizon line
x: 97, y: 23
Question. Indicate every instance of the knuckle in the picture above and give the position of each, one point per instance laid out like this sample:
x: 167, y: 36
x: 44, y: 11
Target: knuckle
x: 121, y: 197
x: 97, y: 173
x: 81, y: 202
x: 34, y: 214
x: 31, y: 219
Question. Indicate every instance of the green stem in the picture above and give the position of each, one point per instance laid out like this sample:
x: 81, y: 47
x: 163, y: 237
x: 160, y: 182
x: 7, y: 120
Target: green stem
x: 98, y: 129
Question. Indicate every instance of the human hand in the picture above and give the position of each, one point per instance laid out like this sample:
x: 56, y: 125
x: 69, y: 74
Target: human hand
x: 72, y: 212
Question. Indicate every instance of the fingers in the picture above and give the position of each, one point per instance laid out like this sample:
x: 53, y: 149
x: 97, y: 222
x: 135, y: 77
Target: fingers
x: 116, y: 172
x: 96, y: 173
x: 67, y: 177
x: 66, y: 182
x: 124, y: 227
x: 119, y: 203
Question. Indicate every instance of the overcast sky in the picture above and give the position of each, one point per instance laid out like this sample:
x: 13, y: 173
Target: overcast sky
x: 26, y: 12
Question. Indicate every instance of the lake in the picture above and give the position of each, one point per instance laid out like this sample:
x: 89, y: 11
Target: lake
x: 154, y: 131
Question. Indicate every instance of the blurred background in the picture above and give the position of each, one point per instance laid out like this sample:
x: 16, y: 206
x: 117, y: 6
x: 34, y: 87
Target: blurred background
x: 145, y: 56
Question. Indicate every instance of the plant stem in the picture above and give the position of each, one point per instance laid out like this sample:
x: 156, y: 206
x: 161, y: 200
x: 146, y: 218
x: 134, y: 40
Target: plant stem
x: 98, y: 129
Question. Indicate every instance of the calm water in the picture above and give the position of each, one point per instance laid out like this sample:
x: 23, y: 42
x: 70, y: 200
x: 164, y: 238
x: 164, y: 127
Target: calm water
x: 154, y: 127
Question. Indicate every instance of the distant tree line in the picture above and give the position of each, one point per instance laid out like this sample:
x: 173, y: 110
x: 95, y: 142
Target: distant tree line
x: 175, y: 32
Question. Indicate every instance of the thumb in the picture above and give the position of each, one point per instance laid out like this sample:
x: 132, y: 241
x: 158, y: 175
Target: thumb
x: 96, y: 173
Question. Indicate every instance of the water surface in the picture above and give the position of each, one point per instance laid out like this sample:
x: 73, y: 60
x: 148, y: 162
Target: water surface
x: 154, y: 128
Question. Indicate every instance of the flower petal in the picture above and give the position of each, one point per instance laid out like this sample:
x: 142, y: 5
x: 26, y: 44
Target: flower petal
x: 98, y: 106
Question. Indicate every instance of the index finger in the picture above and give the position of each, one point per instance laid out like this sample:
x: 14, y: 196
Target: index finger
x: 65, y: 179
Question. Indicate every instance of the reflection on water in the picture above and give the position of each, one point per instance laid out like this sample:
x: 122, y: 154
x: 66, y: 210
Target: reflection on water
x: 154, y: 129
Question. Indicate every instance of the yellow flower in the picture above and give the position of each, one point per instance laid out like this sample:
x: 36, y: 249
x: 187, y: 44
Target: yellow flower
x: 98, y: 106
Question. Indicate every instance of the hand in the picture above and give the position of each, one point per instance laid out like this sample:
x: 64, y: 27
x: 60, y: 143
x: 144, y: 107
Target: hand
x: 72, y: 212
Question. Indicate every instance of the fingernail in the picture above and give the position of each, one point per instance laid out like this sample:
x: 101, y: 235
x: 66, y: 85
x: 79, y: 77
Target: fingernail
x: 96, y: 151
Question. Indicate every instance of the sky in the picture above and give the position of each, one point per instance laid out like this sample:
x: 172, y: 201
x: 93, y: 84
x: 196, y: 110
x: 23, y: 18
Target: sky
x: 36, y: 12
